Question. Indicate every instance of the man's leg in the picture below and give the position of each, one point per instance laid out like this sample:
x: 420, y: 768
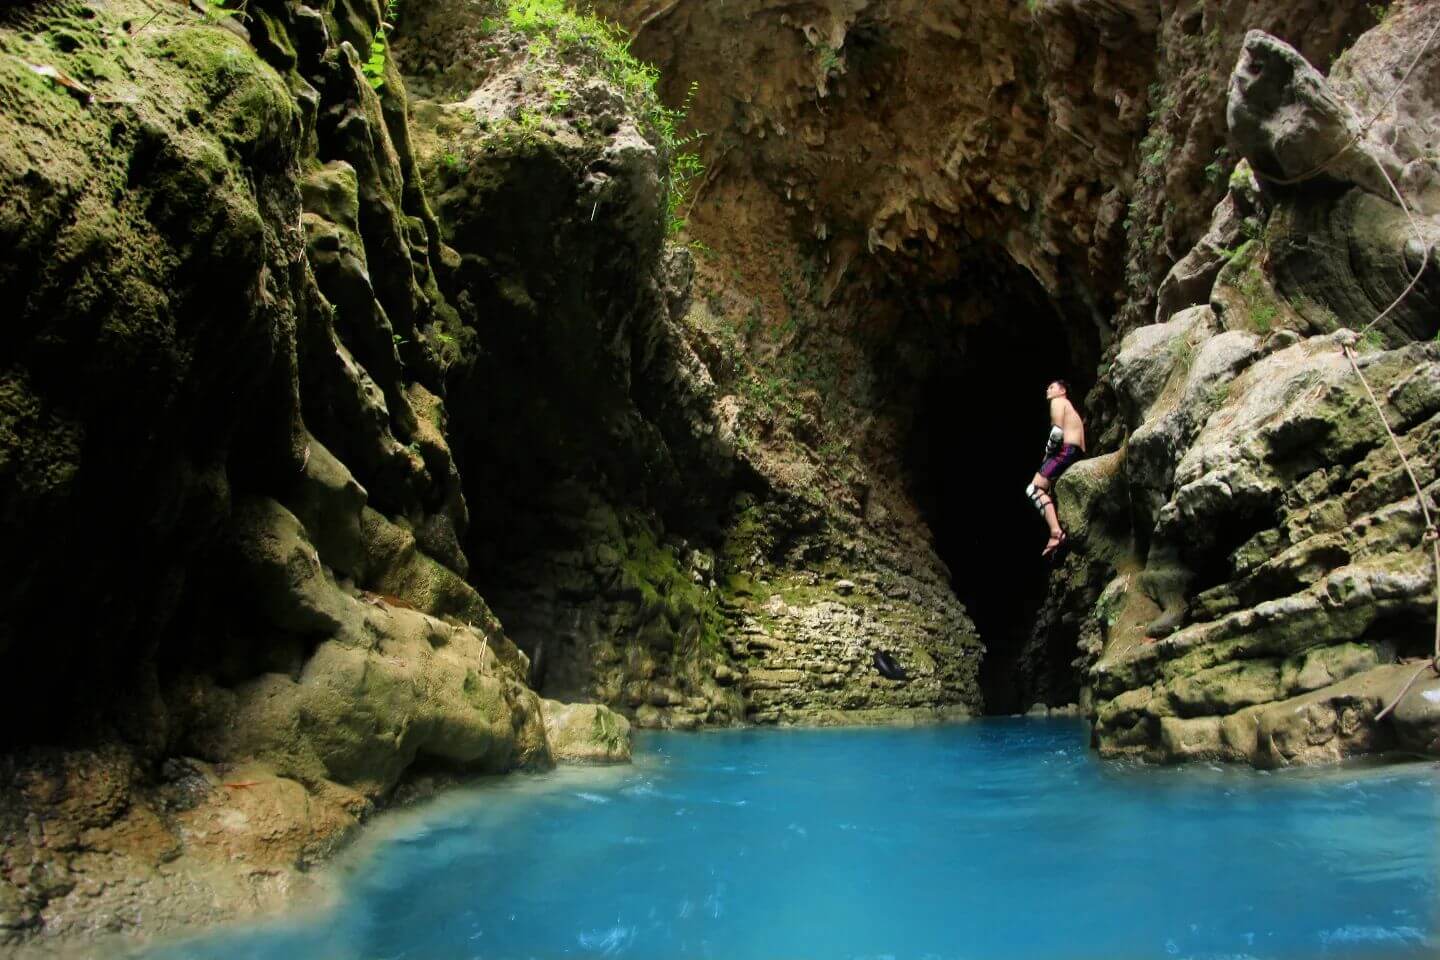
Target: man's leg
x: 1039, y: 492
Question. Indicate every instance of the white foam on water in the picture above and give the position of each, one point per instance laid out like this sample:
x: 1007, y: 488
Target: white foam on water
x: 1355, y: 933
x: 607, y: 942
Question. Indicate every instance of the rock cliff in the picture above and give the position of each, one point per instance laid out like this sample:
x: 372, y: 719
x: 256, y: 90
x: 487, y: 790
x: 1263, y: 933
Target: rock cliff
x: 379, y: 379
x: 1264, y: 557
x: 237, y: 617
x: 913, y: 216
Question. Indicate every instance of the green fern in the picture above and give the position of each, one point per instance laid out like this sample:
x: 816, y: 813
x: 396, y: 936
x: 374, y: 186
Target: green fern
x: 374, y: 65
x: 685, y: 166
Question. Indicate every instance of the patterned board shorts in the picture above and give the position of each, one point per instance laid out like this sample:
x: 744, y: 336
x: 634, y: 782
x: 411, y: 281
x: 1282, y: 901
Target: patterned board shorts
x: 1058, y: 464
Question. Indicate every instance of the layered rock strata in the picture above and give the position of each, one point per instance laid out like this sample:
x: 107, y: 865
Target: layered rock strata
x: 1256, y: 570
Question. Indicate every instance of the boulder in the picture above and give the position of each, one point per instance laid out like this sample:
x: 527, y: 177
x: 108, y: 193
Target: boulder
x: 586, y: 733
x: 1287, y: 121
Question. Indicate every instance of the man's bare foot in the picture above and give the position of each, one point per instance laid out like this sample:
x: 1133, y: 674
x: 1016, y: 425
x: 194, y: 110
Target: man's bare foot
x: 1056, y: 541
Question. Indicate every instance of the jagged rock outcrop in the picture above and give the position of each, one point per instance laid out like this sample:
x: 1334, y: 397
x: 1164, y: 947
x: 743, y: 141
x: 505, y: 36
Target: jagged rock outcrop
x: 902, y: 196
x: 339, y: 345
x: 236, y: 613
x: 589, y: 444
x: 1081, y: 140
x: 634, y: 540
x: 1270, y: 571
x: 225, y: 224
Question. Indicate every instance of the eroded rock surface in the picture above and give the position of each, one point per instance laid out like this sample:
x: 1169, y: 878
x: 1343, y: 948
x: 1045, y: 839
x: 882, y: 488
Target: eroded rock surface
x: 1273, y: 585
x: 326, y: 365
x: 635, y: 541
x: 230, y: 503
x: 586, y: 733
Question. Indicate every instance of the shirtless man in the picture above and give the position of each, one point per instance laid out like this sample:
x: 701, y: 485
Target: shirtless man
x: 1066, y: 443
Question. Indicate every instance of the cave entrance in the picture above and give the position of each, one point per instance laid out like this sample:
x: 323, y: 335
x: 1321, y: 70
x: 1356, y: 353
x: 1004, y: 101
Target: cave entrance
x: 978, y: 434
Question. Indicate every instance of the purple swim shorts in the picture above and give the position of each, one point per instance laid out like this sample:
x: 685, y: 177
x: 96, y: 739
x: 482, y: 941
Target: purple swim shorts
x: 1058, y: 464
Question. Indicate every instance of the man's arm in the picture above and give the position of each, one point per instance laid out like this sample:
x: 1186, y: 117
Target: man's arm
x: 1057, y: 433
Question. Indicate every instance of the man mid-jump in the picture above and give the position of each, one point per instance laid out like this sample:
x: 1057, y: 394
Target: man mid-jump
x: 1066, y: 444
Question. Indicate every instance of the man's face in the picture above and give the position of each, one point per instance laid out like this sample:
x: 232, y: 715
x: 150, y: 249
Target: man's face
x: 1053, y: 391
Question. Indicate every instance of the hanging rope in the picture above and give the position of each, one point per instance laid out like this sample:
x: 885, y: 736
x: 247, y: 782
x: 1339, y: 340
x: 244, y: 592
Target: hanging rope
x: 1348, y: 340
x: 1431, y: 534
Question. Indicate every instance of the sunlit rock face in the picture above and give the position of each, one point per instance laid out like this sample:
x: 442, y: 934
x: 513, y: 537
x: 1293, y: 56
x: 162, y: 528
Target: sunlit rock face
x: 1257, y: 555
x: 367, y: 395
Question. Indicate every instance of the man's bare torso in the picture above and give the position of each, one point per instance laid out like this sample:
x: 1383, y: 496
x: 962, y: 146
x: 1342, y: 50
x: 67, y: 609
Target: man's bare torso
x: 1064, y: 416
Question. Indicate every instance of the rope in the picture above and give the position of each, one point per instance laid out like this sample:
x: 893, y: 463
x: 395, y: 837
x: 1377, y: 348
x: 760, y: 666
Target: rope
x: 1430, y: 531
x: 1419, y: 236
x: 1348, y: 340
x: 1359, y: 135
x: 1431, y: 535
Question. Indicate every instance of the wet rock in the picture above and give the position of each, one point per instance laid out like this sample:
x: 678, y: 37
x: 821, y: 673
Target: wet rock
x: 586, y: 733
x: 1226, y: 688
x: 1417, y: 715
x: 1193, y: 739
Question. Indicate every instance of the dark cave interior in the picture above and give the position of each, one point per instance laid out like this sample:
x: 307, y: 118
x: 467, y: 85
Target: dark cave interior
x: 978, y: 436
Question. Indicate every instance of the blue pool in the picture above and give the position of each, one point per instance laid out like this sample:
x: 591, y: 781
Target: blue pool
x: 996, y: 839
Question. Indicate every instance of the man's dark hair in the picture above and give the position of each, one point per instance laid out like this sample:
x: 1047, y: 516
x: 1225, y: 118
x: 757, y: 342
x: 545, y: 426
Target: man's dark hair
x: 1064, y: 385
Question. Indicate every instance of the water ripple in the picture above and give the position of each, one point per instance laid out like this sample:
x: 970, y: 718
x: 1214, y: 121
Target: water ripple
x: 1004, y: 839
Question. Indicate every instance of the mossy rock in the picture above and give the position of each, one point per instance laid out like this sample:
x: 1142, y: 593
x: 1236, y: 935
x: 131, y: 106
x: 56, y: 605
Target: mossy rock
x: 1226, y: 688
x: 1091, y: 503
x: 586, y: 733
x: 1321, y: 667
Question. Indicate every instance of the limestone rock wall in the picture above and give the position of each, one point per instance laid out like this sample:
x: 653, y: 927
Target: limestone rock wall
x: 307, y: 373
x: 588, y: 443
x: 319, y: 370
x: 887, y: 181
x: 1079, y: 140
x: 632, y: 533
x: 236, y: 607
x: 1255, y: 584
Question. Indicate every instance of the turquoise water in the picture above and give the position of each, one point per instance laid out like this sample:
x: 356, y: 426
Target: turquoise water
x: 996, y: 839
